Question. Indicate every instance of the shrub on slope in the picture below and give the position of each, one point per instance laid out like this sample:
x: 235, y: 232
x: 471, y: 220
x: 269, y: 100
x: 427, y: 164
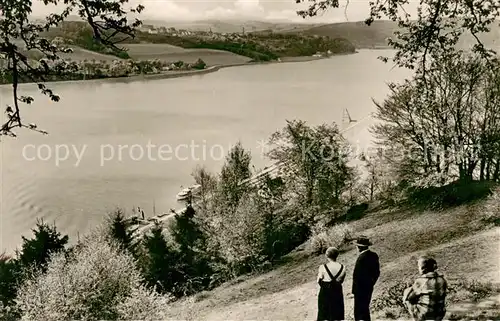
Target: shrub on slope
x: 96, y: 281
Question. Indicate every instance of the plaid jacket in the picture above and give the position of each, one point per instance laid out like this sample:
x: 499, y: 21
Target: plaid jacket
x: 426, y: 297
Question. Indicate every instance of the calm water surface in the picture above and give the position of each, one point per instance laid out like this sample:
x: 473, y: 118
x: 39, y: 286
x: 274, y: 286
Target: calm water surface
x: 209, y: 112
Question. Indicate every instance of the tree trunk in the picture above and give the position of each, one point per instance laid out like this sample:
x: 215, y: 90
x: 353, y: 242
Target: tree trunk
x: 462, y: 172
x: 496, y: 176
x: 488, y: 169
x: 372, y: 188
x: 483, y: 167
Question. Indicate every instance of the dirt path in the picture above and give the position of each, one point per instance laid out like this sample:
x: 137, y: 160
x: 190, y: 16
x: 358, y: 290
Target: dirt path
x: 487, y: 309
x: 299, y: 303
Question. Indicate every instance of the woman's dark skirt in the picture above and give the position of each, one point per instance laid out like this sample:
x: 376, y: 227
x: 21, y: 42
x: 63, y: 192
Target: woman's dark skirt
x: 330, y: 302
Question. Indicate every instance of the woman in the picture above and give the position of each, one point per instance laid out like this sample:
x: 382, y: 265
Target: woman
x: 331, y: 296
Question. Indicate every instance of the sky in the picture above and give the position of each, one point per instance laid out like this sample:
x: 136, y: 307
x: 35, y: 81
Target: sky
x: 271, y: 10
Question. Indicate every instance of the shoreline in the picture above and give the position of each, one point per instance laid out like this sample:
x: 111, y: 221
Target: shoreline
x: 188, y: 73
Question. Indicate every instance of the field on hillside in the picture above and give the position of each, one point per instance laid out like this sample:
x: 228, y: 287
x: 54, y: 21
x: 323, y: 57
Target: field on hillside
x: 171, y: 53
x: 465, y: 246
x: 80, y: 54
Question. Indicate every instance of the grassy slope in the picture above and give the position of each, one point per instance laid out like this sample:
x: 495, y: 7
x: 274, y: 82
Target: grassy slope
x: 462, y: 244
x: 80, y: 54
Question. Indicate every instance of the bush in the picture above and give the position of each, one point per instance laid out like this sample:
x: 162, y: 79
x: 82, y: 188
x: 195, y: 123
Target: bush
x: 491, y: 214
x: 451, y: 195
x: 354, y: 213
x: 470, y: 291
x: 390, y: 303
x: 322, y: 238
x: 237, y: 236
x: 199, y: 64
x: 143, y: 304
x: 97, y: 281
x: 122, y: 54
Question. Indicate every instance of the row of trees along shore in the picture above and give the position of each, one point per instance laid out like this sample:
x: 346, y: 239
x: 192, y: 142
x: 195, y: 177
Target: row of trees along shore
x: 62, y: 70
x: 438, y: 138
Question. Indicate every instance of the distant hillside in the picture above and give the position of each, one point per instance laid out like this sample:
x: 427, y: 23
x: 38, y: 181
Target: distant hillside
x: 231, y: 26
x: 376, y: 35
x: 361, y: 35
x: 358, y: 33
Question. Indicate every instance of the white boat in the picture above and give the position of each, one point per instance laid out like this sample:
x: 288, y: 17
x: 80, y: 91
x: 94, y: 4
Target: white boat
x: 184, y: 194
x: 195, y: 188
x: 187, y: 192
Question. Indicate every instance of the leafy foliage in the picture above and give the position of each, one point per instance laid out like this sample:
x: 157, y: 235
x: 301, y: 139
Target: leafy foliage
x: 492, y: 208
x: 234, y: 171
x: 323, y: 237
x: 444, y: 125
x: 451, y: 195
x: 313, y: 162
x: 199, y: 64
x: 96, y: 282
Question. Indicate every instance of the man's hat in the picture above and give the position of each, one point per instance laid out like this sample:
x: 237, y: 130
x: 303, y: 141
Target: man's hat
x: 362, y: 241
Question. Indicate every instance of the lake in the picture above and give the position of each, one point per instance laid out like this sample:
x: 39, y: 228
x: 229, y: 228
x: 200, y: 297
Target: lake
x: 132, y: 144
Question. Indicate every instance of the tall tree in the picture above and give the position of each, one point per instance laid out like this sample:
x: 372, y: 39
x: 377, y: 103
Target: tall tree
x: 448, y: 119
x: 313, y: 162
x: 36, y: 252
x: 208, y: 183
x: 160, y: 262
x: 234, y: 171
x: 20, y: 34
x: 119, y: 230
x: 192, y: 260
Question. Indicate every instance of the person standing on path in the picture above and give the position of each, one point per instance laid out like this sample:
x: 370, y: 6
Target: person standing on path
x: 365, y: 275
x: 331, y: 295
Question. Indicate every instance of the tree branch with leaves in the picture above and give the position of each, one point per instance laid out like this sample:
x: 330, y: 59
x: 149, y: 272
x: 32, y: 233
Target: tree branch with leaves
x: 20, y: 35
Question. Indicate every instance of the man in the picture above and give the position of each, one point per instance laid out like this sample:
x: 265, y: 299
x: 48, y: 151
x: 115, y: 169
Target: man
x: 365, y: 275
x: 425, y: 299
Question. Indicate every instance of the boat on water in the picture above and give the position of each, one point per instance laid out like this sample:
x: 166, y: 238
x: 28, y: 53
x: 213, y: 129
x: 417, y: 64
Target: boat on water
x: 187, y: 192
